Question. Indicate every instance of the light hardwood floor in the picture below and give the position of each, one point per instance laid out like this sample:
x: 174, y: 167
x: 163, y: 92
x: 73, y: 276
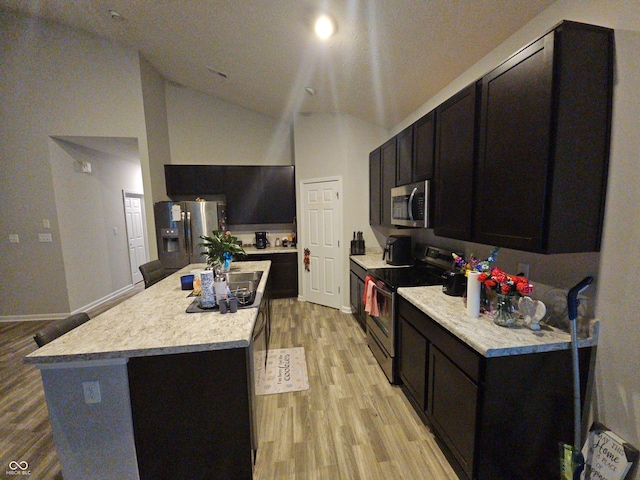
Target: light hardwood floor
x: 350, y: 424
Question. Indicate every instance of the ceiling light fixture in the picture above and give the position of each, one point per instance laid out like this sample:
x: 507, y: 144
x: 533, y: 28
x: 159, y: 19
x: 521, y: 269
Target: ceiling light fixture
x: 325, y: 26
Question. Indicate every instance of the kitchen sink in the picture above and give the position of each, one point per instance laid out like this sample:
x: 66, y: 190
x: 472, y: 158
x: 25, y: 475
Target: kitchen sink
x: 244, y: 286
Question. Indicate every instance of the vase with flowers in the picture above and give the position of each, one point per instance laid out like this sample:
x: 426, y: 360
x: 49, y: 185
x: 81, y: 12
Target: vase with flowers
x: 221, y: 248
x: 507, y: 288
x: 473, y: 264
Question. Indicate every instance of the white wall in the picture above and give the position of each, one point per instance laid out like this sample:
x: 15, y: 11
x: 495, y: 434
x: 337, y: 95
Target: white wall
x: 328, y: 145
x: 90, y: 207
x: 207, y: 130
x: 55, y: 82
x: 616, y: 401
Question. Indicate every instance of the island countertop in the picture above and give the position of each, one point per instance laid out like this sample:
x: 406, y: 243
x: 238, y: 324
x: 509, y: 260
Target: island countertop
x: 155, y: 322
x: 481, y: 334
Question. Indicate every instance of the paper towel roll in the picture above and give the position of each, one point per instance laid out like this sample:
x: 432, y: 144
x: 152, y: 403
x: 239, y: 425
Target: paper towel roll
x: 473, y: 295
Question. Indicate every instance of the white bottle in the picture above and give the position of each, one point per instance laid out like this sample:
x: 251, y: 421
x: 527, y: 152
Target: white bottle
x: 220, y: 287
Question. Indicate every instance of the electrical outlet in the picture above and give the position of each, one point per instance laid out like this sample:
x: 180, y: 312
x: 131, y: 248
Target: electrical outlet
x: 91, y: 392
x: 524, y: 269
x: 14, y: 238
x: 44, y: 237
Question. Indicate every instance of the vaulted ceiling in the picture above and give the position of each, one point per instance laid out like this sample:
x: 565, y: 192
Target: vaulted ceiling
x: 387, y: 58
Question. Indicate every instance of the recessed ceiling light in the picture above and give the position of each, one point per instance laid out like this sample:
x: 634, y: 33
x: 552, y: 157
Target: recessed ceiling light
x: 115, y: 15
x: 325, y: 26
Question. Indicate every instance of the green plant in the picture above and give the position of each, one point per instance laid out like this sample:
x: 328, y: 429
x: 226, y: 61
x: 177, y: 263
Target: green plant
x: 220, y: 247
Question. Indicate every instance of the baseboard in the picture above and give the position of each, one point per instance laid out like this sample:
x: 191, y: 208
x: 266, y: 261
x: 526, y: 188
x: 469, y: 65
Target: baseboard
x: 346, y: 309
x: 60, y: 316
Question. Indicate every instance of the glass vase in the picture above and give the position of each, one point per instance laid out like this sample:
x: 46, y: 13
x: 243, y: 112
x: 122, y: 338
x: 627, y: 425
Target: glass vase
x: 505, y: 314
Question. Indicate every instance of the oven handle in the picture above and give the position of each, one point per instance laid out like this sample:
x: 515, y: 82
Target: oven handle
x: 383, y: 291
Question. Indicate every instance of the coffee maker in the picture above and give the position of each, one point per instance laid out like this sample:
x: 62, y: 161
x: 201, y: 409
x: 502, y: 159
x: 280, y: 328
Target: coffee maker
x: 261, y: 240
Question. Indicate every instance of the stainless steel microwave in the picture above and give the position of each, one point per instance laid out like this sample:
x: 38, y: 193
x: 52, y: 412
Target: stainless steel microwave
x: 410, y: 205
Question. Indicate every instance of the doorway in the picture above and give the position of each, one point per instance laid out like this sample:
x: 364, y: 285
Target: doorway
x: 135, y: 223
x: 321, y: 234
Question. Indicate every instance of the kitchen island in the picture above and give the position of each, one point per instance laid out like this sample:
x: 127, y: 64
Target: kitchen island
x: 500, y: 400
x: 148, y: 391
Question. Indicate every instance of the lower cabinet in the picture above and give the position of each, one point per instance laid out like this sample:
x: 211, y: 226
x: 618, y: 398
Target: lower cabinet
x: 495, y: 417
x: 356, y: 284
x: 283, y: 276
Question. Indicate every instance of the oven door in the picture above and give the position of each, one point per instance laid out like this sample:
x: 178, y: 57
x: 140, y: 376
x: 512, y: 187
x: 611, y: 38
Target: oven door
x: 382, y: 325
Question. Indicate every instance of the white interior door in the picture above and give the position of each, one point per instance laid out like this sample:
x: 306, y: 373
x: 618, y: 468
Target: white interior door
x: 135, y: 234
x: 322, y: 227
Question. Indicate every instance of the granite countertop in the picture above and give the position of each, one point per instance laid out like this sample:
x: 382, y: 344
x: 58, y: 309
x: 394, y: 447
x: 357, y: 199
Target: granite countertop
x: 481, y: 334
x: 155, y: 322
x: 373, y: 259
x: 251, y: 250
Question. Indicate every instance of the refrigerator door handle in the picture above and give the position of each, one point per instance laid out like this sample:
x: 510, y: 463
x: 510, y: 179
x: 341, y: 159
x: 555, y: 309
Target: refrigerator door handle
x: 187, y: 224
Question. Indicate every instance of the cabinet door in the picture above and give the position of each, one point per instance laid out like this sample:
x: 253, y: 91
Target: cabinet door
x: 375, y: 205
x: 259, y: 195
x: 423, y: 147
x: 180, y: 179
x: 404, y: 159
x: 455, y: 148
x: 412, y: 361
x: 209, y: 179
x: 451, y: 407
x: 388, y: 180
x: 515, y: 137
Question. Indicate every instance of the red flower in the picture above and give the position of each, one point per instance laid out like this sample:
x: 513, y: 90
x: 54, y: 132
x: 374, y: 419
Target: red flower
x: 490, y: 283
x: 524, y: 288
x: 498, y: 275
x: 482, y: 277
x: 506, y: 288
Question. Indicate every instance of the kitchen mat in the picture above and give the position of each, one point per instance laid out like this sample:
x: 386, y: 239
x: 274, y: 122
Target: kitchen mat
x: 286, y: 371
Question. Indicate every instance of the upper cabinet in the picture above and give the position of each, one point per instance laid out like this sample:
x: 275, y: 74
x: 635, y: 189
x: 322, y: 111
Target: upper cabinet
x: 404, y: 156
x: 544, y: 143
x: 254, y: 194
x: 423, y: 147
x: 260, y: 194
x: 455, y: 149
x: 194, y: 179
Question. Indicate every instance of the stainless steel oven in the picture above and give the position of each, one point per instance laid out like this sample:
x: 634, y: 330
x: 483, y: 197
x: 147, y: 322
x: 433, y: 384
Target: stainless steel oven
x: 381, y: 328
x: 410, y: 205
x: 430, y: 264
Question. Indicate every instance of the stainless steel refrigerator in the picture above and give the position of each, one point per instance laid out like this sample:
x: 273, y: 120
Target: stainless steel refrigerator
x: 179, y: 226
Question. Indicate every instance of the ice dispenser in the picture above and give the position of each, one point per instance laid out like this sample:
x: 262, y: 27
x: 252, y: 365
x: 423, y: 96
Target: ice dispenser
x: 170, y: 240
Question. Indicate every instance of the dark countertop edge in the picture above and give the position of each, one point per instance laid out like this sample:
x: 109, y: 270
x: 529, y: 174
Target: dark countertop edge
x: 125, y: 355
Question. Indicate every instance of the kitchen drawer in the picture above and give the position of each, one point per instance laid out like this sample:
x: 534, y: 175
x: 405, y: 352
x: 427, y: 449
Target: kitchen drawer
x: 360, y: 272
x: 458, y: 352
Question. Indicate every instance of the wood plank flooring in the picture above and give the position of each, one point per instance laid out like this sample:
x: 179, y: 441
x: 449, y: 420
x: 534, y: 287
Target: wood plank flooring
x: 350, y: 424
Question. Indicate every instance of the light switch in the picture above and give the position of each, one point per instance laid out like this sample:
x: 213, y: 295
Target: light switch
x: 14, y: 238
x: 115, y: 230
x: 46, y: 223
x: 44, y: 238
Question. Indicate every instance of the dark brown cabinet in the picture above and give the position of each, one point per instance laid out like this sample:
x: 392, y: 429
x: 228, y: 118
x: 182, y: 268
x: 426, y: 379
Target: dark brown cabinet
x: 412, y: 364
x: 454, y: 157
x: 194, y: 179
x: 259, y: 195
x: 497, y: 417
x: 423, y: 147
x: 404, y: 156
x: 544, y: 143
x: 388, y: 179
x: 375, y: 188
x: 283, y: 275
x: 357, y: 275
